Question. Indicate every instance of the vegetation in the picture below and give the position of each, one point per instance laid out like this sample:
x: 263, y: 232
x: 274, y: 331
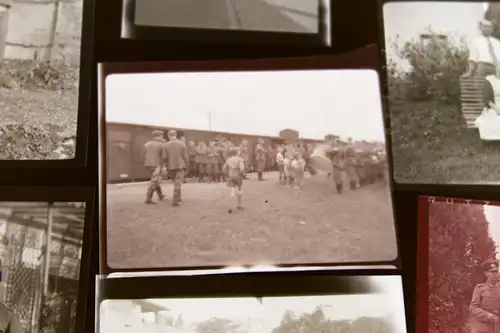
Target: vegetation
x: 430, y: 141
x: 459, y: 242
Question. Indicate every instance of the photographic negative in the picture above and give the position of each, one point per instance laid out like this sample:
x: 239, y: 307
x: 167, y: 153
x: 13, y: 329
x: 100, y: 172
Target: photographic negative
x: 380, y: 311
x: 293, y: 19
x: 40, y: 45
x: 458, y: 264
x: 442, y: 84
x: 273, y: 167
x: 40, y: 255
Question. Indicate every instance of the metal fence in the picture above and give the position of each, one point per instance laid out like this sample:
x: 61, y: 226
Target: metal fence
x: 40, y: 298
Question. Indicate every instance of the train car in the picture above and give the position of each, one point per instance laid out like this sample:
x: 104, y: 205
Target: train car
x: 125, y: 142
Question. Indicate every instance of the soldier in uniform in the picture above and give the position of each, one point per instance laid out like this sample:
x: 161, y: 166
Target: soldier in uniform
x: 177, y: 162
x: 201, y: 159
x: 154, y: 158
x: 485, y: 304
x: 260, y: 159
x: 243, y: 153
x: 350, y: 159
x: 337, y: 167
x: 193, y: 168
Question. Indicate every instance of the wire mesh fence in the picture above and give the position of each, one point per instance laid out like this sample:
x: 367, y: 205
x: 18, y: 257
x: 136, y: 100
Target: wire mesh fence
x: 45, y: 302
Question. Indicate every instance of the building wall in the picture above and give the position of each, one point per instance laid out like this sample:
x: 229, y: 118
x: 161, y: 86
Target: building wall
x: 29, y: 26
x: 404, y: 21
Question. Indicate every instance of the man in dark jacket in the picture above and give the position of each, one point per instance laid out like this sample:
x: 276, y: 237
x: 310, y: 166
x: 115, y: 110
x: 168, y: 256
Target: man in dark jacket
x: 153, y: 157
x: 177, y: 162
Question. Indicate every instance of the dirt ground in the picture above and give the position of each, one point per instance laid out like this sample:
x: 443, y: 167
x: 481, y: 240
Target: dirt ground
x: 280, y: 225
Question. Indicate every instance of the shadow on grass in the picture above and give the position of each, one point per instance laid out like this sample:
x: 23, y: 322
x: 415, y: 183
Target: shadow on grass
x: 431, y: 144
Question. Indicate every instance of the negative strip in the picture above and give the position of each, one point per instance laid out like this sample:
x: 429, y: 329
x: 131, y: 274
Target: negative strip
x: 457, y: 264
x: 354, y: 304
x: 274, y: 165
x: 442, y: 85
x: 44, y: 261
x: 45, y: 81
x: 260, y: 21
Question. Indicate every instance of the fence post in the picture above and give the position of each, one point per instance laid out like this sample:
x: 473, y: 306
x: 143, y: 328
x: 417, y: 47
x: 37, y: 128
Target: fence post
x: 48, y: 240
x: 53, y: 31
x: 4, y: 26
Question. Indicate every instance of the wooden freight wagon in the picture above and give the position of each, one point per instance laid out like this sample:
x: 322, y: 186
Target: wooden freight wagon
x: 125, y: 142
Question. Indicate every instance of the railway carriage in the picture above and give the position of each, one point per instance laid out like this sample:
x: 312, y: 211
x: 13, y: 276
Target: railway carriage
x: 125, y: 142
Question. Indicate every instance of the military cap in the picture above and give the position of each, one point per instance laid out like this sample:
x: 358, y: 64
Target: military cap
x: 157, y: 132
x: 490, y: 265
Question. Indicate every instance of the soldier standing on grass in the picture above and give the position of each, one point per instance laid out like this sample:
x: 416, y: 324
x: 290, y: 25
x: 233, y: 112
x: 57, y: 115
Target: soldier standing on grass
x: 177, y: 162
x: 485, y: 304
x: 337, y: 168
x: 350, y: 156
x: 153, y: 156
x: 260, y: 159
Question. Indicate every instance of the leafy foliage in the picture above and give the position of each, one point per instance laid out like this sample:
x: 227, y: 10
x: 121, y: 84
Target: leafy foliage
x: 217, y: 325
x: 317, y: 322
x: 459, y: 242
x: 31, y: 74
x: 51, y: 313
x: 34, y: 142
x: 436, y: 67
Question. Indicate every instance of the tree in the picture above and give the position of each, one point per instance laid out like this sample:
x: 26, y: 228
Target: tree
x: 459, y: 241
x: 217, y: 325
x: 317, y: 322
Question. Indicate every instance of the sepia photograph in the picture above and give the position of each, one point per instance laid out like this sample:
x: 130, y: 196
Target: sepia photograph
x: 291, y: 16
x: 40, y: 255
x: 461, y: 271
x: 39, y: 78
x: 443, y: 88
x: 237, y: 168
x: 380, y: 311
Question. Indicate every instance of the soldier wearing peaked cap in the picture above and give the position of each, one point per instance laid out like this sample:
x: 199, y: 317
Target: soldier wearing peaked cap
x: 485, y: 305
x: 154, y: 158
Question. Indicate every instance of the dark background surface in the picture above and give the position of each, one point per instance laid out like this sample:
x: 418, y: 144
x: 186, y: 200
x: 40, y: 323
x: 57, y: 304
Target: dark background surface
x: 354, y: 24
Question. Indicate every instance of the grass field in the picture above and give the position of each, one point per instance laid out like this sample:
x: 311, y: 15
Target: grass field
x: 37, y: 124
x: 431, y: 145
x: 279, y: 225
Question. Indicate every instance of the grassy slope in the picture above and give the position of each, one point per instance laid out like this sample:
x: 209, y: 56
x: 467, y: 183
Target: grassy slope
x: 36, y: 122
x: 432, y: 145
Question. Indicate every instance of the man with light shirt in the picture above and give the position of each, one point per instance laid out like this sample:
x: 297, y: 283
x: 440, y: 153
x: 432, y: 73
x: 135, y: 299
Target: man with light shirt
x: 484, y: 52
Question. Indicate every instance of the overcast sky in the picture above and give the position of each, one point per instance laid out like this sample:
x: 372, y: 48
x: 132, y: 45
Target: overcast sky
x: 341, y: 102
x: 492, y: 214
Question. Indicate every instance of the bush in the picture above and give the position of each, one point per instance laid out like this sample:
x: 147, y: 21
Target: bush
x: 436, y: 67
x: 51, y: 313
x: 459, y: 242
x: 23, y: 142
x: 38, y: 75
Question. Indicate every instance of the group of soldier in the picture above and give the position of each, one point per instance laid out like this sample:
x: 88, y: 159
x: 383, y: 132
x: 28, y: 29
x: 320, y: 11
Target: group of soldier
x: 175, y: 158
x: 362, y: 164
